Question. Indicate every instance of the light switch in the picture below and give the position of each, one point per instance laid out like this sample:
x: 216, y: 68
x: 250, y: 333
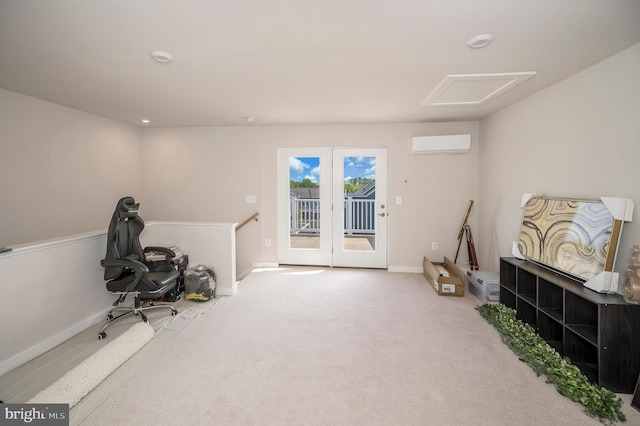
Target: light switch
x: 398, y: 201
x: 251, y: 199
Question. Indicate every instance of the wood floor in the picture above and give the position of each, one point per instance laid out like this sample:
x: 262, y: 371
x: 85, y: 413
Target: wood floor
x: 24, y: 382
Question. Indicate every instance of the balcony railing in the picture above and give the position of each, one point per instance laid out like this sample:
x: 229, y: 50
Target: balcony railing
x: 359, y: 216
x: 305, y: 216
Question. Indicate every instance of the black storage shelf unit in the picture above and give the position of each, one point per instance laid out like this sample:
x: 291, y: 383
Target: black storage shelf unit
x: 600, y: 333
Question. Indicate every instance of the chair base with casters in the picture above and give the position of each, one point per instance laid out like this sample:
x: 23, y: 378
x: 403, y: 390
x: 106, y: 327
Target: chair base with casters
x: 146, y: 287
x: 139, y: 308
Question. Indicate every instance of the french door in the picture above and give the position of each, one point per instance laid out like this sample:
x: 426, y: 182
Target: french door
x: 332, y: 207
x: 360, y: 207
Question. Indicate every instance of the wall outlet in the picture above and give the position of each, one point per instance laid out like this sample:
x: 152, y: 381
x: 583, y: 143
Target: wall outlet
x: 267, y: 242
x: 434, y: 246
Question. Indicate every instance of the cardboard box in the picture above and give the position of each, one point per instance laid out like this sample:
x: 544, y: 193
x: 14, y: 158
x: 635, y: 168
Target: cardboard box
x: 453, y: 285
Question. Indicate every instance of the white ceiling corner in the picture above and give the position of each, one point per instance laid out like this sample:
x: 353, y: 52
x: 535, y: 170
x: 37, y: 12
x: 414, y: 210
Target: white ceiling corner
x: 474, y: 89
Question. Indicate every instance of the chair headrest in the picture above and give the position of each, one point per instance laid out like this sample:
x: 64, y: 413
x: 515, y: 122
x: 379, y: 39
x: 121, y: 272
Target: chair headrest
x: 127, y: 208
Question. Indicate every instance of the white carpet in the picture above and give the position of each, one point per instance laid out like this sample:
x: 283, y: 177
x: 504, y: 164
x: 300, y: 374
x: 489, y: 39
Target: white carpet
x: 318, y: 346
x: 83, y: 378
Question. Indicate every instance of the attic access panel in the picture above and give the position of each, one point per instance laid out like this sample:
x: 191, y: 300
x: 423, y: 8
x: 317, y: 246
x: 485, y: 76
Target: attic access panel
x: 575, y: 237
x: 474, y: 89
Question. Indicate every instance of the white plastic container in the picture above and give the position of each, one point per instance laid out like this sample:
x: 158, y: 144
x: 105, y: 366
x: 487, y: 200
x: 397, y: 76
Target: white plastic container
x: 484, y: 285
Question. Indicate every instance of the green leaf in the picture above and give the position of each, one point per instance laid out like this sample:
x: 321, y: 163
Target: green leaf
x: 522, y: 339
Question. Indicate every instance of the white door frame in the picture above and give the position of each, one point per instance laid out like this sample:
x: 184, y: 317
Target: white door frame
x: 360, y: 258
x: 331, y: 251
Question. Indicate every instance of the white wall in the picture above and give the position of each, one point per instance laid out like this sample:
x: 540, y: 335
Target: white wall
x: 211, y: 244
x: 203, y: 175
x: 61, y: 170
x: 209, y: 171
x: 579, y: 138
x: 52, y: 291
x: 59, y: 290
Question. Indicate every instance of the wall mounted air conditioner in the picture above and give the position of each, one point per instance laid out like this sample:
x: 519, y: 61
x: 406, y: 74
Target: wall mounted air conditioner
x: 447, y: 144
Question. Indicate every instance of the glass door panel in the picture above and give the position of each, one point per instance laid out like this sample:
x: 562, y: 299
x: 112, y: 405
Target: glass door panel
x: 304, y: 203
x: 359, y: 174
x: 304, y: 206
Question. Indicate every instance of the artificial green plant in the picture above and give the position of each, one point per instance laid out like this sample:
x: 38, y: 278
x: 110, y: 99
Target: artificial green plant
x: 543, y: 359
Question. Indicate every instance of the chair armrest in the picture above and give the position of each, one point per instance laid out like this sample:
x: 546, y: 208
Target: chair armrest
x: 164, y: 250
x: 138, y: 267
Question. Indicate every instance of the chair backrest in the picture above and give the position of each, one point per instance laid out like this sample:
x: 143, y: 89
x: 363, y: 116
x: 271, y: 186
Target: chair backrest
x: 123, y: 237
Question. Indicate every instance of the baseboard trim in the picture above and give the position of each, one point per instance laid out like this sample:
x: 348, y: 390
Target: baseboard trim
x: 266, y: 265
x: 390, y: 268
x: 408, y: 269
x: 244, y: 273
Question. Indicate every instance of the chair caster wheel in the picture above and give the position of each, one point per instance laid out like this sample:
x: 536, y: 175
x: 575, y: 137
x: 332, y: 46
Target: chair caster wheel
x: 102, y: 335
x: 109, y: 317
x: 174, y: 312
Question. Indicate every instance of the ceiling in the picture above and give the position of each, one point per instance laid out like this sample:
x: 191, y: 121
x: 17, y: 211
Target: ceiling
x: 296, y: 61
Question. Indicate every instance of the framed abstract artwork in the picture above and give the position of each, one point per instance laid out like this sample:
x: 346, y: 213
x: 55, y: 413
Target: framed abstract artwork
x: 575, y: 237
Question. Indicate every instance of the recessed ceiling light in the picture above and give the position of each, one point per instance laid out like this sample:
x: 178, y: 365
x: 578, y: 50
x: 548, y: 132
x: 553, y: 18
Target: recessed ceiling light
x: 479, y: 41
x: 145, y: 121
x: 160, y: 56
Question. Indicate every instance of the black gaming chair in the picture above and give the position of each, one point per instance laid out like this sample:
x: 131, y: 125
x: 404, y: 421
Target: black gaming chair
x: 127, y: 270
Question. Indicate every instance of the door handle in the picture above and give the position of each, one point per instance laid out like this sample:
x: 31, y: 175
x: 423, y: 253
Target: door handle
x: 381, y: 214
